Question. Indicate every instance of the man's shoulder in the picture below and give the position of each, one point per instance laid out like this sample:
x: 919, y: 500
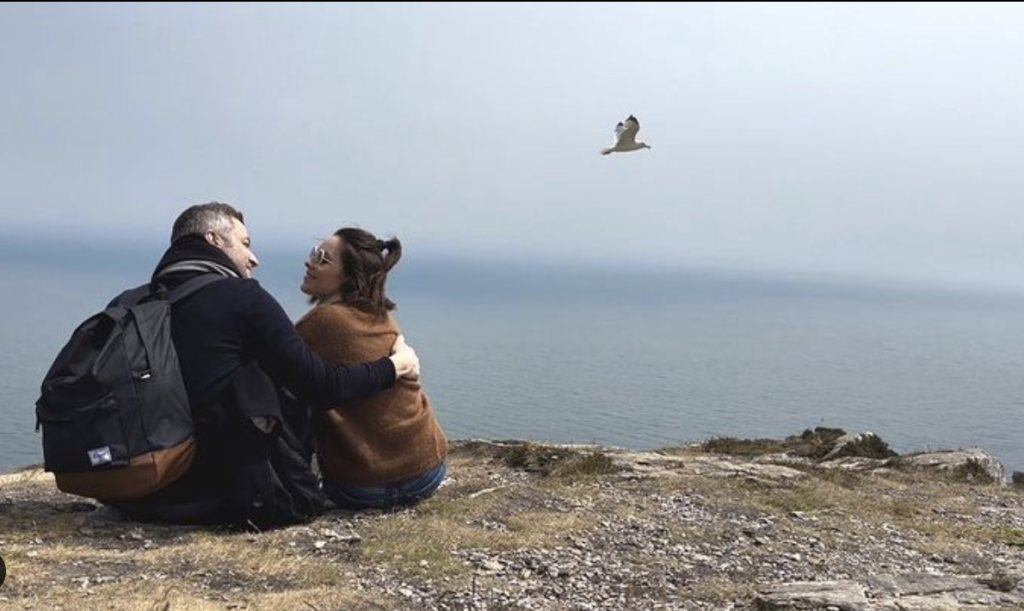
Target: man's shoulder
x: 249, y: 292
x: 241, y: 285
x: 240, y: 292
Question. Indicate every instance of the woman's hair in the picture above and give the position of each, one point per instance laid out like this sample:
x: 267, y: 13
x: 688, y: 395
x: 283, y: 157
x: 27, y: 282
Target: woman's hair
x: 365, y: 267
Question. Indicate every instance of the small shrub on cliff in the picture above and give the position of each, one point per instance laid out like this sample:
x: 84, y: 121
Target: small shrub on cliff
x: 809, y: 444
x: 563, y: 463
x: 741, y: 447
x: 584, y: 465
x: 974, y: 472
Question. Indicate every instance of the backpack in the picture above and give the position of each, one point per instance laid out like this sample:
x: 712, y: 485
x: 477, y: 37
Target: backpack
x: 267, y: 444
x: 253, y: 469
x: 113, y: 409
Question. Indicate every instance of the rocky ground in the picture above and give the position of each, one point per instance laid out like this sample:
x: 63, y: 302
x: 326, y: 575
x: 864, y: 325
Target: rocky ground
x: 817, y: 521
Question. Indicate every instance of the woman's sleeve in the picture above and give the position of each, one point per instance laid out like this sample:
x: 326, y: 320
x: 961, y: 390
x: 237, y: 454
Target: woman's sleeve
x: 289, y: 361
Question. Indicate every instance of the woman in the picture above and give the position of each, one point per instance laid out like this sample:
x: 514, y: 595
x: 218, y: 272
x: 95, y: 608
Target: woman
x: 388, y: 449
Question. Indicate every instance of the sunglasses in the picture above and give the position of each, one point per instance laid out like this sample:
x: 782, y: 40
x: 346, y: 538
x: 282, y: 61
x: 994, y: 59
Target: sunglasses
x: 318, y: 257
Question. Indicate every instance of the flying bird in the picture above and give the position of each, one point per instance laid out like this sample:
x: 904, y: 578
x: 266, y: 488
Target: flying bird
x: 625, y: 137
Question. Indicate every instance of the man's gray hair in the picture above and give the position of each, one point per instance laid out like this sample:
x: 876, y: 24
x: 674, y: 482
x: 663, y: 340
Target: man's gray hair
x: 200, y: 218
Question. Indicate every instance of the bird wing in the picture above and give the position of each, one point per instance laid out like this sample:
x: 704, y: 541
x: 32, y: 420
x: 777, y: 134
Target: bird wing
x: 625, y: 132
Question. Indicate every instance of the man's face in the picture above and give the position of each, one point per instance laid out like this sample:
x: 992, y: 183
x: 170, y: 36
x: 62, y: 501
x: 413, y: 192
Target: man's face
x: 237, y: 246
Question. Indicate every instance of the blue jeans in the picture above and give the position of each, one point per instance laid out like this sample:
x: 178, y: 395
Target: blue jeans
x: 405, y: 492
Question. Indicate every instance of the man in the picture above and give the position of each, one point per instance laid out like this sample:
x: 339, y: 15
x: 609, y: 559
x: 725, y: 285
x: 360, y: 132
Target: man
x: 237, y: 348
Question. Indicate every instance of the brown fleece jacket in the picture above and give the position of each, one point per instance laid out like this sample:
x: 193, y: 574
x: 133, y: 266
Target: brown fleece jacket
x: 388, y: 437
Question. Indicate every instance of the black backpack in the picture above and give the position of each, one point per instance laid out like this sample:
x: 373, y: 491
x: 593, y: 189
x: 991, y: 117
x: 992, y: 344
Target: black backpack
x: 266, y: 446
x: 253, y: 467
x: 113, y: 409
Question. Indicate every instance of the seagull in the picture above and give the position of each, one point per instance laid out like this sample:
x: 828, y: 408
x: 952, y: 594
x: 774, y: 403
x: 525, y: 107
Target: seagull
x: 625, y: 137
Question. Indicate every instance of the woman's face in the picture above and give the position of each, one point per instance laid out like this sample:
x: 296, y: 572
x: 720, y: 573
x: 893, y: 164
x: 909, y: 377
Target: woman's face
x: 323, y: 269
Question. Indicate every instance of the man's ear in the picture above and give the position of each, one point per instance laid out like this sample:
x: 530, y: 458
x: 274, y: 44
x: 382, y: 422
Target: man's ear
x: 212, y: 238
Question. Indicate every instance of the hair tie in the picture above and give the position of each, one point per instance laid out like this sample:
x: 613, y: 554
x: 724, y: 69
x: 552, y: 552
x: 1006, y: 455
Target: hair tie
x: 382, y: 245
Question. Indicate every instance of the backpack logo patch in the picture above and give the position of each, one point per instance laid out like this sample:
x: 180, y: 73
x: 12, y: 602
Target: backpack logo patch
x: 100, y: 456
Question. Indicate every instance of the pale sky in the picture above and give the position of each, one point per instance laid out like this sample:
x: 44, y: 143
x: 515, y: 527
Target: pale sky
x: 875, y: 139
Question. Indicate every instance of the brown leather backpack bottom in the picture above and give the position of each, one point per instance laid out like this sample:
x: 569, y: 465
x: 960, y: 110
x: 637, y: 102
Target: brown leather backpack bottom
x: 143, y: 476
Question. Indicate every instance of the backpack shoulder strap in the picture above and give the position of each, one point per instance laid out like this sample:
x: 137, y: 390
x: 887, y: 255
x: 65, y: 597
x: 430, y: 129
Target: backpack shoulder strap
x: 191, y: 286
x: 130, y: 297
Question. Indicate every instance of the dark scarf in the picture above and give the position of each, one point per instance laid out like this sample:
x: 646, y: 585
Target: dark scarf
x: 192, y: 253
